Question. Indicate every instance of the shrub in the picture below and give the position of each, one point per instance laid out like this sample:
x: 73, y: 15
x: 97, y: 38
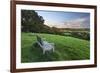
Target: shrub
x: 81, y: 35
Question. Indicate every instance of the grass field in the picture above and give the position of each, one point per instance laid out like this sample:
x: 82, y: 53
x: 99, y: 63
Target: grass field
x: 66, y: 48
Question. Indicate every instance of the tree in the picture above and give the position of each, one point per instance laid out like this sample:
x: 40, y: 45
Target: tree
x: 56, y: 30
x: 31, y: 21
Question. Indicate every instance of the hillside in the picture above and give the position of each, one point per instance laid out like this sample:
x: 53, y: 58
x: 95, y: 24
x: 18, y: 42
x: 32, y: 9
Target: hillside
x: 66, y: 48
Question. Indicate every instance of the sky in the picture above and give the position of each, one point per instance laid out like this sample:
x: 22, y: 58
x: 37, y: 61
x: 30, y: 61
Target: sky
x: 61, y: 19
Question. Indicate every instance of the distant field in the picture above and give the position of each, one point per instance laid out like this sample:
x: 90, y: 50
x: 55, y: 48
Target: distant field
x: 66, y: 48
x: 74, y: 30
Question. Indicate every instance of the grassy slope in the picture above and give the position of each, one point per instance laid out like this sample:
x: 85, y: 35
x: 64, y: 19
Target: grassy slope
x: 66, y: 48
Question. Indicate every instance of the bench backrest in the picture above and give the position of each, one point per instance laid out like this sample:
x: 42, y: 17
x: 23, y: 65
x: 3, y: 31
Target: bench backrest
x: 39, y: 39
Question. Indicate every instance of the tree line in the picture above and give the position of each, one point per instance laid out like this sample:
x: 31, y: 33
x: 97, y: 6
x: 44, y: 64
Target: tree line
x: 32, y: 22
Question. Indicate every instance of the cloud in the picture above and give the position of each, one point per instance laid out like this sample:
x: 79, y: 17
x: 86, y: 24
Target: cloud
x: 76, y: 23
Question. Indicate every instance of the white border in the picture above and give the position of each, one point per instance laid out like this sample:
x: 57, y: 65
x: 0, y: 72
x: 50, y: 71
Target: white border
x: 20, y: 65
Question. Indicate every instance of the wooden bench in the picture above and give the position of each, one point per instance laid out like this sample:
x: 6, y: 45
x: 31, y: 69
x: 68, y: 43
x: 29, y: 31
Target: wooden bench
x: 46, y: 46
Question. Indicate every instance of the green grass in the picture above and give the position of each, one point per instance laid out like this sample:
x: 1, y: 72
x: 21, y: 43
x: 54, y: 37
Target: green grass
x: 66, y: 48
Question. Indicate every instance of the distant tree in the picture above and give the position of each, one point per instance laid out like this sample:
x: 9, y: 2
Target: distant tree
x: 81, y: 35
x: 56, y: 30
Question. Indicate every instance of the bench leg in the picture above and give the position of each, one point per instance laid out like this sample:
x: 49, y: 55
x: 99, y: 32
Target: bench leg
x: 53, y: 49
x: 43, y: 51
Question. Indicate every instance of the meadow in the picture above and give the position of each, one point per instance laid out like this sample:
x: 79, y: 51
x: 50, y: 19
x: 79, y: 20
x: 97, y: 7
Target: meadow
x: 66, y: 48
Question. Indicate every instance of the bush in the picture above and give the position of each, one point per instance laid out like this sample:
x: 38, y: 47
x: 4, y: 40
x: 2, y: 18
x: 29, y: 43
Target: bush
x: 81, y: 35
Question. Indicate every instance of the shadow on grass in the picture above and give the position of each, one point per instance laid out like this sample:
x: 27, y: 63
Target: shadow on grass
x: 36, y: 55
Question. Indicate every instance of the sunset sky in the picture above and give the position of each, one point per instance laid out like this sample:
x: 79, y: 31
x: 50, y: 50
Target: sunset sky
x: 65, y: 19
